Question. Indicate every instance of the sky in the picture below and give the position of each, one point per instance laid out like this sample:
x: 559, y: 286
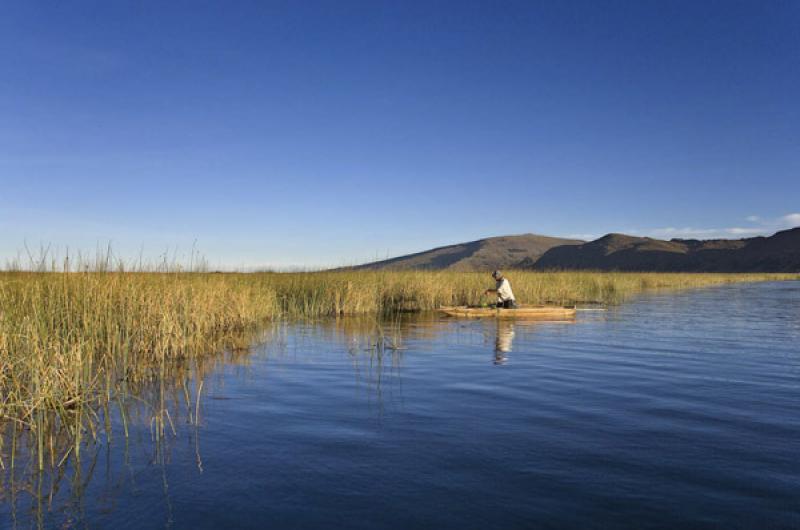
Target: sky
x: 309, y: 134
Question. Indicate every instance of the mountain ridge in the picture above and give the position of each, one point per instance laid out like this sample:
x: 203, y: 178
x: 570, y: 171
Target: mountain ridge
x: 779, y: 252
x: 482, y: 254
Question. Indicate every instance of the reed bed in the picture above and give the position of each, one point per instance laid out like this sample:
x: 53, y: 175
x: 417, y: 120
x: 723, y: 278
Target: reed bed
x: 72, y: 344
x: 358, y: 292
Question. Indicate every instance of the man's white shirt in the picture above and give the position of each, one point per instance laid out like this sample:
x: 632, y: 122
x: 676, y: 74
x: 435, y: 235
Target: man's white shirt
x: 504, y: 290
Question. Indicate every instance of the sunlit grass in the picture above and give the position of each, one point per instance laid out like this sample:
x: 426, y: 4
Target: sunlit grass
x: 72, y: 344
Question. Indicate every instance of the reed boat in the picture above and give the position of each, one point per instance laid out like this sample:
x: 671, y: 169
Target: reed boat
x: 540, y: 312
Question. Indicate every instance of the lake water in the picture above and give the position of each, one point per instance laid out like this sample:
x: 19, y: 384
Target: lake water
x: 674, y: 410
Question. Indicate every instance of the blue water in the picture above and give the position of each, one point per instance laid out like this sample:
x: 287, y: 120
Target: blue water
x: 674, y: 410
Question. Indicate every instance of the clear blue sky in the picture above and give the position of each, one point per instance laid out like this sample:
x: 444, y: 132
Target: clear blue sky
x: 316, y: 133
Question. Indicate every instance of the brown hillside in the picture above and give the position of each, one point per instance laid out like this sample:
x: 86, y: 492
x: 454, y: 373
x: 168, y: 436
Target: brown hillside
x: 778, y: 253
x: 483, y: 254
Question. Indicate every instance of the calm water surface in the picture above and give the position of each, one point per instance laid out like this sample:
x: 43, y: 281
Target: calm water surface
x: 678, y: 409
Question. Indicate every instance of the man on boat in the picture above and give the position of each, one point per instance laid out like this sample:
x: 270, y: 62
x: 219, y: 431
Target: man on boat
x: 505, y: 297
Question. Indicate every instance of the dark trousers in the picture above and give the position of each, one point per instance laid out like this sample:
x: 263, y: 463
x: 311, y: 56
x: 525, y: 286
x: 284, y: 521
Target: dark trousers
x: 506, y: 304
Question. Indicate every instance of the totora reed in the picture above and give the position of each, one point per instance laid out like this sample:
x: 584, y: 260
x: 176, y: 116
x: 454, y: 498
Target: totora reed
x: 74, y: 344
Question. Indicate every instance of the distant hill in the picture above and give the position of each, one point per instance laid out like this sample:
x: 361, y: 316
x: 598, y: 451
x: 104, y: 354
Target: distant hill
x: 777, y: 253
x: 484, y: 254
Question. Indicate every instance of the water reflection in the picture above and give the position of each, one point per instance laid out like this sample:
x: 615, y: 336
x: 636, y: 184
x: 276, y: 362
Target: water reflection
x: 349, y: 417
x: 504, y: 340
x: 135, y: 433
x: 46, y: 481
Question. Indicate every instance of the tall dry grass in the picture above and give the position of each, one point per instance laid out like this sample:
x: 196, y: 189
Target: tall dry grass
x: 74, y: 343
x: 356, y: 292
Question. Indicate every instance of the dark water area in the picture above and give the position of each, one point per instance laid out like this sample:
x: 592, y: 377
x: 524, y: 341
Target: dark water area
x: 674, y: 410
